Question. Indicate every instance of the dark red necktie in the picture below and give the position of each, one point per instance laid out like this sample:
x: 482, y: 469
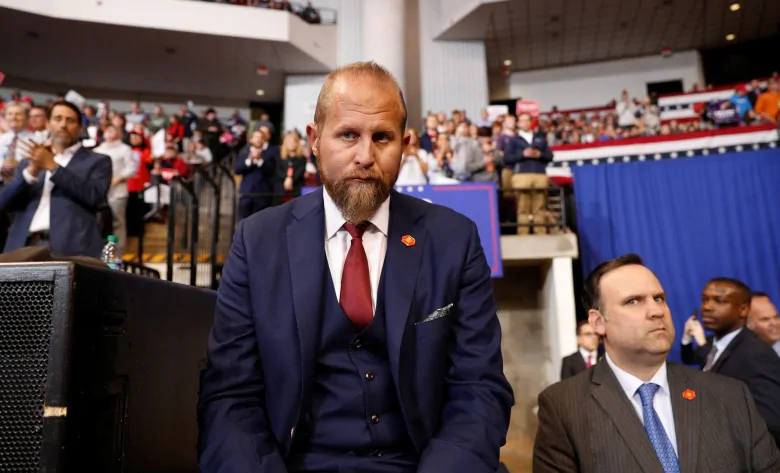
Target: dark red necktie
x: 355, y: 282
x: 590, y: 361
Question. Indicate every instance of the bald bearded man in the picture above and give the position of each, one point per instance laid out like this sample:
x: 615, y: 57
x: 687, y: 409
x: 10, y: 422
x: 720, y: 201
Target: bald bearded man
x: 356, y: 327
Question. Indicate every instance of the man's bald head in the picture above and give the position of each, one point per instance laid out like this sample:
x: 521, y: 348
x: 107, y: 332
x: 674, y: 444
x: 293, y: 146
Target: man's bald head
x: 763, y: 318
x: 339, y: 80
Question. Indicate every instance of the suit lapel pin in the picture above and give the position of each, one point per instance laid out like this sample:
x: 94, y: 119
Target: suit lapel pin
x: 689, y: 394
x: 408, y: 240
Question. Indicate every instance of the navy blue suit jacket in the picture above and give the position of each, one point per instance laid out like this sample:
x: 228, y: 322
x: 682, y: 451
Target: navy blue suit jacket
x: 79, y: 193
x: 513, y: 154
x: 262, y: 350
x: 257, y: 179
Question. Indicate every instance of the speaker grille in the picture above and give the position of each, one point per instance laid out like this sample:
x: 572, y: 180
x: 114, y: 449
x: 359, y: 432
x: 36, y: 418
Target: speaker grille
x: 25, y: 332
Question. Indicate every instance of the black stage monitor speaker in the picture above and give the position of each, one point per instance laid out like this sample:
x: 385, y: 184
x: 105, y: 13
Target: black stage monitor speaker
x: 99, y: 370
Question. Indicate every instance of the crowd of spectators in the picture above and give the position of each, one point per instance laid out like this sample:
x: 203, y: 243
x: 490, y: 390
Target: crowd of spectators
x: 147, y: 150
x: 307, y: 12
x: 750, y: 105
x: 508, y: 150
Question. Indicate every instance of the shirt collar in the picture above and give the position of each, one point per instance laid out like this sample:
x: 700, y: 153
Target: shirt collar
x: 723, y: 342
x: 69, y: 152
x: 585, y: 354
x: 334, y: 221
x: 631, y: 383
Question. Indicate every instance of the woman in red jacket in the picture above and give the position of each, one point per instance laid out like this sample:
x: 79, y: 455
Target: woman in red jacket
x: 136, y: 207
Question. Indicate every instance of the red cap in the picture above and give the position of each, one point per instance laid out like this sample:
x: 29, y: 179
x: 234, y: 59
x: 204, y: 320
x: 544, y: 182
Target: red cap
x: 742, y: 88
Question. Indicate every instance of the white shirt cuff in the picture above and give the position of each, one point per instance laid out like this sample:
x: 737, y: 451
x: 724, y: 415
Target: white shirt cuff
x: 28, y: 177
x: 685, y: 340
x: 248, y: 162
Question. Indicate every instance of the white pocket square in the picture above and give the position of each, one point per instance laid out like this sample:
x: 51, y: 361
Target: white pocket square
x: 437, y: 314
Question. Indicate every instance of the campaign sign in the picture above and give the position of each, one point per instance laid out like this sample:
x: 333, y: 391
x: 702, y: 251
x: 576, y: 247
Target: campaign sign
x: 477, y: 201
x: 723, y: 112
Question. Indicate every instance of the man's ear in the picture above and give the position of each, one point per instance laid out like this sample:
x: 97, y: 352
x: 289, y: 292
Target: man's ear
x: 744, y: 310
x: 597, y: 321
x: 407, y: 138
x: 314, y: 138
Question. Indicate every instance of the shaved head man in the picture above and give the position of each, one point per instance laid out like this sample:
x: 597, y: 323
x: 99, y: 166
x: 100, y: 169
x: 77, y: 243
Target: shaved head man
x: 356, y: 327
x: 764, y: 321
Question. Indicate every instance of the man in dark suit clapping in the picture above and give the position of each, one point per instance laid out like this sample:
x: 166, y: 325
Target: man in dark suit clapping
x: 735, y: 351
x: 257, y: 166
x: 57, y: 190
x: 635, y: 412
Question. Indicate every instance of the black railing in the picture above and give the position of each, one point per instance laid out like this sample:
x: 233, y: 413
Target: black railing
x: 326, y: 16
x: 554, y: 214
x: 201, y: 218
x: 136, y: 268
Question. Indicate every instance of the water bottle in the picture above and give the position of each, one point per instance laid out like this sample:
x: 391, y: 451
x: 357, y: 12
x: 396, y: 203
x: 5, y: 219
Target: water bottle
x: 111, y: 254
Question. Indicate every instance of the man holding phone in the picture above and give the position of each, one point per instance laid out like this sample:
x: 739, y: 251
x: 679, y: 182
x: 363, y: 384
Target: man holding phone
x: 528, y: 154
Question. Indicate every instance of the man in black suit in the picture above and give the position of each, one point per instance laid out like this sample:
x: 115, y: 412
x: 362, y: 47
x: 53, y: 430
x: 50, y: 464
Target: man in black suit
x: 636, y: 412
x: 528, y: 154
x: 735, y: 351
x: 256, y: 164
x: 587, y: 354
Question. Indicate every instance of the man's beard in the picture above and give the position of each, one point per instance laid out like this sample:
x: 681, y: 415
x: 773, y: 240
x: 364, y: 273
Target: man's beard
x: 357, y: 201
x: 62, y: 140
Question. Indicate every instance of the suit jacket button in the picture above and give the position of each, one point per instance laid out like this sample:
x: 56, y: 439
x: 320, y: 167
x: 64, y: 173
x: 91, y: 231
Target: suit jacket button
x: 374, y: 419
x: 369, y: 376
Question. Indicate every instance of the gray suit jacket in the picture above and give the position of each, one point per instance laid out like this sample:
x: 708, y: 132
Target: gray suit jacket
x: 587, y: 424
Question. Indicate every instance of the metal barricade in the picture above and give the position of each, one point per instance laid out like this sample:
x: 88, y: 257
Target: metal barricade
x: 554, y: 212
x: 195, y: 215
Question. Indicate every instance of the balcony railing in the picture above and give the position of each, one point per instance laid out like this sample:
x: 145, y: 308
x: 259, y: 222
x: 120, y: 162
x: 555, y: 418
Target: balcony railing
x: 326, y: 16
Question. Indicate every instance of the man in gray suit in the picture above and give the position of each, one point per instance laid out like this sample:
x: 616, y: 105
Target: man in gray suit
x: 635, y: 412
x: 57, y: 190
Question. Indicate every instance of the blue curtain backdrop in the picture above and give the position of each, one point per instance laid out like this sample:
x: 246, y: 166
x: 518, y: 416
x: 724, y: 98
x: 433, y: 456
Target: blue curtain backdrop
x: 690, y: 219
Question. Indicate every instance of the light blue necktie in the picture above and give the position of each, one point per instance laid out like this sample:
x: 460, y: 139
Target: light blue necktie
x: 655, y: 429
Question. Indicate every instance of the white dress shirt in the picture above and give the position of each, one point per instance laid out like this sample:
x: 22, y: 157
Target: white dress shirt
x: 526, y: 135
x: 338, y: 241
x: 662, y: 402
x: 41, y: 221
x: 776, y: 347
x: 592, y: 354
x: 722, y: 343
x: 124, y: 164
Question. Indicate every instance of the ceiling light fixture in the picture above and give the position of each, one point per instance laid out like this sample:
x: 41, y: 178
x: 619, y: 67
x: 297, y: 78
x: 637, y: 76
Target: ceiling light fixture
x: 508, y: 62
x: 734, y: 6
x: 260, y: 92
x: 730, y: 37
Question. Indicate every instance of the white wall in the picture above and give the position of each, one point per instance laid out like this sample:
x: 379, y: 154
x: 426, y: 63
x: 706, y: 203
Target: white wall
x: 560, y: 315
x: 453, y: 74
x: 124, y: 105
x: 590, y: 85
x: 175, y: 15
x: 300, y: 99
x: 350, y: 32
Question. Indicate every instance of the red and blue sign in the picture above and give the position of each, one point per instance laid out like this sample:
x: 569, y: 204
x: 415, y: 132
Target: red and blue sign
x: 477, y: 201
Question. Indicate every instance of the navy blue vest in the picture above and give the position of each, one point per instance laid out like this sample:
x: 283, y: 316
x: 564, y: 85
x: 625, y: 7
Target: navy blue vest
x: 354, y: 408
